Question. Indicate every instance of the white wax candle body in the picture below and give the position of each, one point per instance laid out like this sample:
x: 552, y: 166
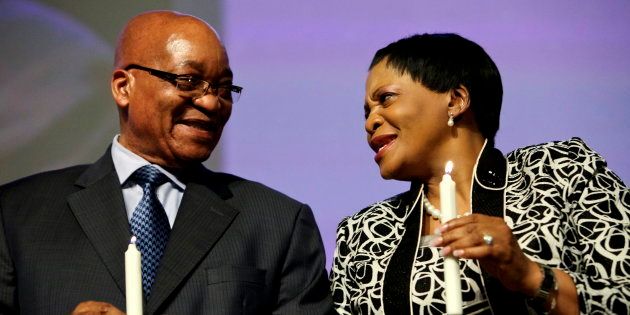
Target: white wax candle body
x: 448, y: 208
x: 133, y: 279
x: 452, y: 277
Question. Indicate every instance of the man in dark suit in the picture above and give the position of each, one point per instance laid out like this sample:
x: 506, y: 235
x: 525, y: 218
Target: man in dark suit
x: 232, y: 246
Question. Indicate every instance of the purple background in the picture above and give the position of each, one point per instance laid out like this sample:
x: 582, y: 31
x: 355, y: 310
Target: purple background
x: 299, y: 125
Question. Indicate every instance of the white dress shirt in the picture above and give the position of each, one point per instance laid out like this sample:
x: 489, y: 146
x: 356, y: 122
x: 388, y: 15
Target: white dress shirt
x: 126, y: 162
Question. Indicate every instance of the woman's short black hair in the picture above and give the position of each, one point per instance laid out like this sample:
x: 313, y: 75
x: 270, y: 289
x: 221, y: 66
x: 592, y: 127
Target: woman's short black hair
x: 442, y: 62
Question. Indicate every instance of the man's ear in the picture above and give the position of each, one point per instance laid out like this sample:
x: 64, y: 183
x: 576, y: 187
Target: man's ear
x: 120, y: 85
x: 460, y: 101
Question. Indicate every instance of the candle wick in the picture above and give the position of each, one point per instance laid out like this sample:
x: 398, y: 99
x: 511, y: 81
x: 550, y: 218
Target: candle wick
x: 133, y: 240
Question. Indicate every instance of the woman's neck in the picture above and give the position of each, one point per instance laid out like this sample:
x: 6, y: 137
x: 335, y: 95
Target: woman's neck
x: 463, y: 153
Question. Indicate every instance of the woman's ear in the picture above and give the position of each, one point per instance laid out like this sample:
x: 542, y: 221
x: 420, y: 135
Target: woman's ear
x: 120, y: 87
x: 460, y: 101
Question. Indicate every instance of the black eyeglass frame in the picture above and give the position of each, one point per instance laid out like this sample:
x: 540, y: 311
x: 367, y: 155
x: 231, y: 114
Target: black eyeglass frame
x: 173, y: 78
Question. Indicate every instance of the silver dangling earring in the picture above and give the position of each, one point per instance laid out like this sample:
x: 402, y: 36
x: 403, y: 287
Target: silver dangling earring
x: 451, y: 121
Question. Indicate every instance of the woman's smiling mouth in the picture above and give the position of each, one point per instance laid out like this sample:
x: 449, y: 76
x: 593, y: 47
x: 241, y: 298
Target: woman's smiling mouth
x: 382, y: 144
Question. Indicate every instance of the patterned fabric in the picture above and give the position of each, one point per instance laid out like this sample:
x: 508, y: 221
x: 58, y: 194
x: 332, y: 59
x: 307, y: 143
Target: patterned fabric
x: 149, y: 223
x: 428, y: 280
x: 565, y: 207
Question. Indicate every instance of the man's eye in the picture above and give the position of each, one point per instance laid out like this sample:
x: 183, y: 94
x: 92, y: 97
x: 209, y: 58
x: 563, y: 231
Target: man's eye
x: 188, y: 83
x: 225, y: 91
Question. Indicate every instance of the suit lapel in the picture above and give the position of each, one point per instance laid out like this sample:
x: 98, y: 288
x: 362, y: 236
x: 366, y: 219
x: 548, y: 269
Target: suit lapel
x: 99, y: 208
x: 201, y: 220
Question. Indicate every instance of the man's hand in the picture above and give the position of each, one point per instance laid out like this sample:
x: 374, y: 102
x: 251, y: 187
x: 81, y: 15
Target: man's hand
x: 96, y: 308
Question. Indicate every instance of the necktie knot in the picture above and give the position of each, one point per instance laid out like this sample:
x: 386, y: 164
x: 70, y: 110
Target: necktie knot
x: 149, y: 176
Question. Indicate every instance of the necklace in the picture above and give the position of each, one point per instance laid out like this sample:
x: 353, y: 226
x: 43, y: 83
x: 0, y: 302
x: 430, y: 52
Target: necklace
x: 434, y: 212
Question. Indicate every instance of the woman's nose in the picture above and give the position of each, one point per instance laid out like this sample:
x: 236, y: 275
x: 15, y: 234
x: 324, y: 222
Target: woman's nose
x: 373, y: 121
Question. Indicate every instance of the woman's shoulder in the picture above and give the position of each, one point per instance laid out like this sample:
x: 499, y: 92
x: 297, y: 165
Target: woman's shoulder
x: 558, y: 154
x: 393, y: 208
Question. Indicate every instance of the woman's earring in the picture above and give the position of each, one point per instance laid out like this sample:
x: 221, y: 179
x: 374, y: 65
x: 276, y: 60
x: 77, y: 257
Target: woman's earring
x: 450, y: 121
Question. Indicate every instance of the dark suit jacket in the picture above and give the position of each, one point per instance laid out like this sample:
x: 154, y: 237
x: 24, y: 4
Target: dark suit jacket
x: 237, y: 247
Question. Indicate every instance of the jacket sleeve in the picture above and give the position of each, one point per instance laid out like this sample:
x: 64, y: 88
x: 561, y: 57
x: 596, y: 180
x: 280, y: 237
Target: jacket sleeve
x: 340, y: 277
x: 8, y: 296
x: 304, y: 287
x: 597, y: 244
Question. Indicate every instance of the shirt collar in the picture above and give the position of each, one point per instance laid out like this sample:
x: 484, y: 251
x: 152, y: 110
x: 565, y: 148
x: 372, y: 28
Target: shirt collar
x: 491, y: 168
x: 127, y: 162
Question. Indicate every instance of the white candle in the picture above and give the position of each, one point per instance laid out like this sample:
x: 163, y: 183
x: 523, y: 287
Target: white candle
x: 452, y: 277
x: 133, y: 279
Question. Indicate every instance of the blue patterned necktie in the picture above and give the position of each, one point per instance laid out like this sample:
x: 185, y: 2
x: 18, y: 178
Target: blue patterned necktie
x: 149, y: 223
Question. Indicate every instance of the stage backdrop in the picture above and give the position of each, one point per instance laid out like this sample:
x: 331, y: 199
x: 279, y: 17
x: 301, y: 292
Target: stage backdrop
x: 299, y: 125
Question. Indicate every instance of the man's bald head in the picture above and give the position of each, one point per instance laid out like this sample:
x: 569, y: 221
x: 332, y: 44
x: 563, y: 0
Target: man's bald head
x: 144, y: 37
x: 159, y: 120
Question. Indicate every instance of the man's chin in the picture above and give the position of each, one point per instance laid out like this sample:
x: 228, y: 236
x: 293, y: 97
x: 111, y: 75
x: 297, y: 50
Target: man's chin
x: 192, y: 153
x: 194, y: 157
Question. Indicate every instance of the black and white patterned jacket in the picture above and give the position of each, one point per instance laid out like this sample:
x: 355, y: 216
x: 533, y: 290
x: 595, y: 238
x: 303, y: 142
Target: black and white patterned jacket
x: 563, y: 204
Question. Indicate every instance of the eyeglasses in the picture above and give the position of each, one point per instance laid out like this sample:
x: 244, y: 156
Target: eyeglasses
x: 194, y: 87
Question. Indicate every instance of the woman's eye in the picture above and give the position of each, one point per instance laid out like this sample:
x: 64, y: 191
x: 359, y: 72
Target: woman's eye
x: 386, y: 97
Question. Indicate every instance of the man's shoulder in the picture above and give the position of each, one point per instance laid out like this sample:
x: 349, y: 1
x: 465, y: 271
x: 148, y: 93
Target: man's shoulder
x: 58, y: 177
x: 43, y: 189
x: 243, y: 188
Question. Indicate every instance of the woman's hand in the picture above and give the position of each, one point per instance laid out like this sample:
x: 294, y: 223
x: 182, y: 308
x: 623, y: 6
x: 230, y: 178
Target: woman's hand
x: 490, y: 240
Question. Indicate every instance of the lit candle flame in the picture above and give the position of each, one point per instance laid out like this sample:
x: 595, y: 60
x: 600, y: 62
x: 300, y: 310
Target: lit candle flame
x: 448, y: 168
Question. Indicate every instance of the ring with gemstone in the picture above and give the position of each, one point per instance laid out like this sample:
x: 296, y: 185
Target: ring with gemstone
x: 487, y: 239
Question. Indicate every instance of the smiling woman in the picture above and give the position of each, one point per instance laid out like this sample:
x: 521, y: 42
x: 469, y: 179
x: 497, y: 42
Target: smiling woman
x: 529, y: 244
x: 409, y: 129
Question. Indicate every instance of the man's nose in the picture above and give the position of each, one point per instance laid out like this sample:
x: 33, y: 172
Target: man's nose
x: 209, y: 101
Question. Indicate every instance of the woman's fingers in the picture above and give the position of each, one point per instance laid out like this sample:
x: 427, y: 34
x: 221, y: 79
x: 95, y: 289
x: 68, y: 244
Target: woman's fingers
x: 473, y: 236
x: 489, y: 240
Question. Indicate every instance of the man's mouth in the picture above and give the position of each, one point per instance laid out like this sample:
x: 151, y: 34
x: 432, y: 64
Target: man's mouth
x: 204, y: 125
